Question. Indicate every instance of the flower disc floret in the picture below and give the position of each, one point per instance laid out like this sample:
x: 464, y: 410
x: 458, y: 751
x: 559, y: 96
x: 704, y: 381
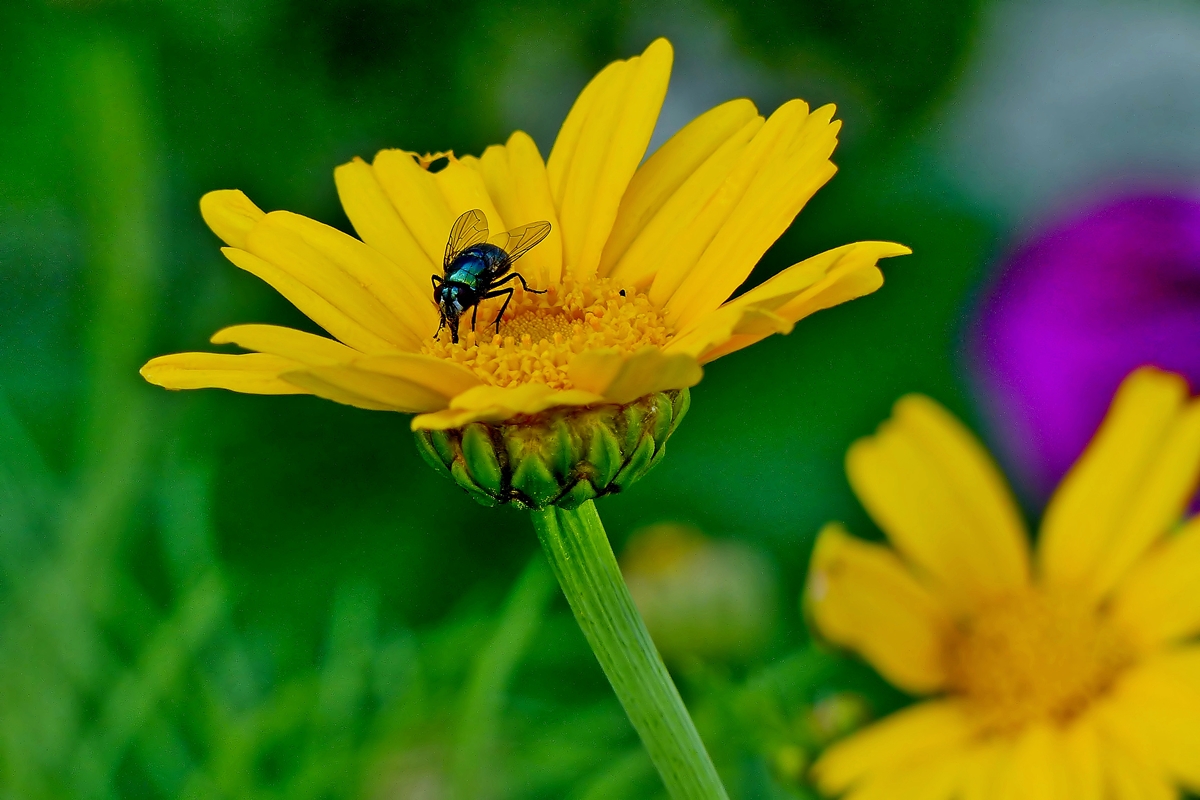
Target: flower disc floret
x: 540, y: 333
x: 1038, y: 655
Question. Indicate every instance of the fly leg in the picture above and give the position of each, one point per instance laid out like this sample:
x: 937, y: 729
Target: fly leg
x: 475, y: 315
x: 508, y: 294
x: 437, y: 281
x: 516, y: 276
x: 524, y: 285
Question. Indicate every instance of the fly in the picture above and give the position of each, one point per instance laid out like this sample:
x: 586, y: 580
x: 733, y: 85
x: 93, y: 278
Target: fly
x: 475, y: 268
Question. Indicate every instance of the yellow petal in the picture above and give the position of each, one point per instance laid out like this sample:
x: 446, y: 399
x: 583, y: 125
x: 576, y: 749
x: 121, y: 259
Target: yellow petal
x: 1082, y: 764
x: 696, y: 215
x: 296, y: 346
x: 987, y: 763
x: 1127, y: 489
x: 410, y: 303
x: 834, y: 290
x: 407, y: 382
x: 417, y: 198
x: 670, y: 243
x: 252, y: 373
x: 934, y: 776
x: 847, y: 281
x: 789, y: 178
x: 1129, y: 778
x: 997, y: 529
x: 230, y: 215
x: 339, y: 282
x: 1158, y: 601
x: 310, y: 301
x: 1159, y: 502
x: 1035, y: 769
x: 601, y: 143
x: 1158, y: 705
x: 380, y: 225
x: 623, y: 377
x: 310, y: 382
x: 802, y: 289
x: 660, y: 178
x: 938, y: 726
x: 726, y: 327
x: 497, y: 404
x: 444, y: 377
x: 515, y: 176
x: 862, y: 597
x: 932, y: 488
x: 464, y: 189
x: 384, y: 392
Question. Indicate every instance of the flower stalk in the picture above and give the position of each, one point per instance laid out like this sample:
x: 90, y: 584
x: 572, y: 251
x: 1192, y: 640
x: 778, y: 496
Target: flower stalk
x: 582, y: 559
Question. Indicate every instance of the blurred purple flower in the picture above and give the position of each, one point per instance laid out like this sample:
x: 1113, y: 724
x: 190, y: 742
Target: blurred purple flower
x: 1072, y: 312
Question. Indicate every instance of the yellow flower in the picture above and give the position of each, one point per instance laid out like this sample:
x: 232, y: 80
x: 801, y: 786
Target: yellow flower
x: 1072, y: 672
x: 636, y: 270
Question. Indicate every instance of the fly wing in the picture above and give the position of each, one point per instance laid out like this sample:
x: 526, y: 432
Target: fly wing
x: 519, y: 241
x: 469, y: 229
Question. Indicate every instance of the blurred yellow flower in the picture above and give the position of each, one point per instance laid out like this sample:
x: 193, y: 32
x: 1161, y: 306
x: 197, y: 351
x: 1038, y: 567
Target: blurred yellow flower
x: 1069, y: 673
x: 636, y: 271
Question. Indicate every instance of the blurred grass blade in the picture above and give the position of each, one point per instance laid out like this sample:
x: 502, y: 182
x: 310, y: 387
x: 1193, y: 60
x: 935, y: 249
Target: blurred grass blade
x: 26, y: 488
x: 631, y: 775
x: 118, y: 161
x: 132, y: 700
x: 185, y: 521
x: 483, y: 697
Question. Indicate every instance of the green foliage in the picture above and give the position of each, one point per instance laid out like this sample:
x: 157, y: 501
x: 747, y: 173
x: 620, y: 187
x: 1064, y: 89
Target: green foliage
x: 209, y: 595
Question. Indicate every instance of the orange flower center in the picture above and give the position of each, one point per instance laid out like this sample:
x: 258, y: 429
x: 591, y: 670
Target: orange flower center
x: 541, y: 333
x: 1035, y: 656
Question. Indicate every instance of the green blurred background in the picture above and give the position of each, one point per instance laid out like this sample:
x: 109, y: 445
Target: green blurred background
x: 214, y: 595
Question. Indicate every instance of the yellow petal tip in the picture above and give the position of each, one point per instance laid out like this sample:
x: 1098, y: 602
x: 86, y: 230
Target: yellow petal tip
x: 230, y: 214
x: 660, y: 48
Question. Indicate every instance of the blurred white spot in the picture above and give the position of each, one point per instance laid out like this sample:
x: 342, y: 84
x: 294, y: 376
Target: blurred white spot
x: 1069, y: 96
x: 818, y: 586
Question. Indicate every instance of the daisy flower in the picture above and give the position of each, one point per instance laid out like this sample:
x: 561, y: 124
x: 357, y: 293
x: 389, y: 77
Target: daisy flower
x: 630, y: 288
x: 565, y: 389
x: 1070, y: 671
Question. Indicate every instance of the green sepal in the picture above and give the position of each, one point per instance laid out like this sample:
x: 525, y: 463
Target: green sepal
x: 563, y: 456
x: 535, y: 480
x: 441, y: 444
x: 680, y: 403
x: 564, y: 448
x: 604, y: 455
x: 458, y: 471
x: 581, y: 492
x: 480, y: 455
x: 658, y: 456
x: 635, y: 418
x: 663, y: 413
x: 428, y: 452
x: 483, y: 498
x: 637, y: 464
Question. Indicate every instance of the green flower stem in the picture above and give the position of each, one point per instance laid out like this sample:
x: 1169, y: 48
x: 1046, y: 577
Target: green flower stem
x: 587, y: 571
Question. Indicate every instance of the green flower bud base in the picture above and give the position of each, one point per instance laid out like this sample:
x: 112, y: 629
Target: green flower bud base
x: 562, y: 457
